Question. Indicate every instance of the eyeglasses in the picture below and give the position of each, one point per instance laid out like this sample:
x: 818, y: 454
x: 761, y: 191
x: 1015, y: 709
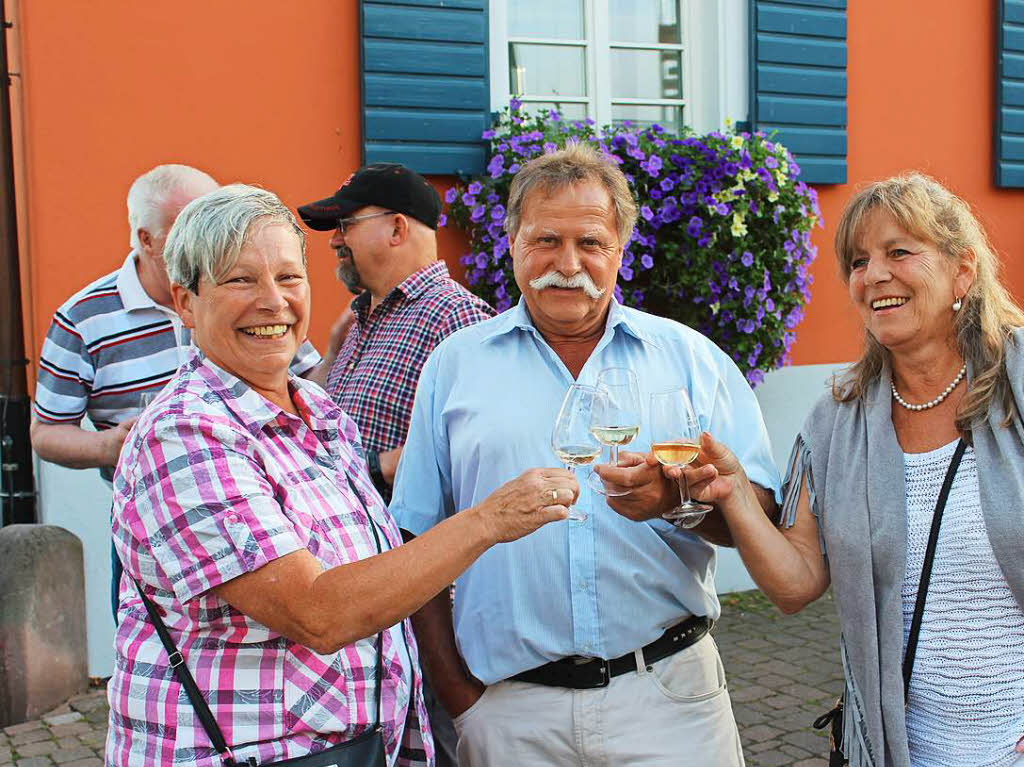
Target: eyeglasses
x: 344, y: 224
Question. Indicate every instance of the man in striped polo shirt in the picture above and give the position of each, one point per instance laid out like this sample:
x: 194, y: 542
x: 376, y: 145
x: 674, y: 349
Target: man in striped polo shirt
x: 119, y: 338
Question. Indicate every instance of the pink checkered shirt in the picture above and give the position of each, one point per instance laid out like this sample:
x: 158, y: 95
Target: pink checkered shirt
x: 374, y: 378
x: 215, y: 482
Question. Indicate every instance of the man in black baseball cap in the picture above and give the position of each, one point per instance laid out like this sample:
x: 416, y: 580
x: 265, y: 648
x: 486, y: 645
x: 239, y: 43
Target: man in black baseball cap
x: 383, y: 184
x: 384, y: 220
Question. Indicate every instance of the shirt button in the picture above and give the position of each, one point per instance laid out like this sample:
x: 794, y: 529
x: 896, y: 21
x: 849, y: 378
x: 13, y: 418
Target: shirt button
x: 583, y: 585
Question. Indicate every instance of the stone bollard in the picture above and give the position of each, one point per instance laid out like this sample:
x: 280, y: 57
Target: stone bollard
x: 42, y: 621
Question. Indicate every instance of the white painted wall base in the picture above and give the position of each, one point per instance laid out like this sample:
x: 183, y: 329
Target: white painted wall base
x: 80, y: 502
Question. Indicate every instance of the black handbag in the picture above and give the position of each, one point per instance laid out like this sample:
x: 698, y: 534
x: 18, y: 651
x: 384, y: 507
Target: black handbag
x: 367, y: 750
x: 834, y: 717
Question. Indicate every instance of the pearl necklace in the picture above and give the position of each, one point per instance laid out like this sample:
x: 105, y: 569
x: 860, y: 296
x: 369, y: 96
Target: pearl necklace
x: 937, y: 400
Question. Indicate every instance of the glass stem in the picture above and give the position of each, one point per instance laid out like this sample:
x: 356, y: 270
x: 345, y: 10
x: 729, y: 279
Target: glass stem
x: 684, y: 492
x: 615, y: 455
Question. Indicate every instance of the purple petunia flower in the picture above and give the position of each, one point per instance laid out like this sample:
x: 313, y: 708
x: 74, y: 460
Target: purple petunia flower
x: 646, y: 212
x: 442, y: 220
x: 747, y: 259
x: 451, y: 195
x: 474, y: 188
x: 514, y: 104
x: 646, y: 261
x: 626, y: 273
x: 693, y: 228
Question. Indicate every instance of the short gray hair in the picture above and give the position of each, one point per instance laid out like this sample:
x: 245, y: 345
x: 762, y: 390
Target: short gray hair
x: 211, y: 230
x: 150, y: 192
x: 575, y: 164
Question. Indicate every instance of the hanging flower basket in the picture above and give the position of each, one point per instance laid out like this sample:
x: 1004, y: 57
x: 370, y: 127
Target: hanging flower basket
x: 723, y: 240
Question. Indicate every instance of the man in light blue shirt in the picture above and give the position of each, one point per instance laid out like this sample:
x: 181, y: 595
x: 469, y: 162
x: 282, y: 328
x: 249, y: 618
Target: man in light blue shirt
x: 637, y: 596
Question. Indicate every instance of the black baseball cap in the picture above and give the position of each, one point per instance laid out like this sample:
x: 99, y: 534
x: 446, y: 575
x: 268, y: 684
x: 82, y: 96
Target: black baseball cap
x: 385, y: 184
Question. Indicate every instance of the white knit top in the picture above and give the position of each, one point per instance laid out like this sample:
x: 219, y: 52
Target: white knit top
x: 966, y: 705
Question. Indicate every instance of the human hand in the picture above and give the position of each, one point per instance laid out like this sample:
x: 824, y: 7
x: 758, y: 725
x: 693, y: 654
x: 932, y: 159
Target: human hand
x: 650, y: 492
x: 113, y: 440
x: 715, y: 473
x: 1020, y: 745
x: 458, y: 698
x: 389, y: 463
x: 339, y: 331
x: 528, y: 502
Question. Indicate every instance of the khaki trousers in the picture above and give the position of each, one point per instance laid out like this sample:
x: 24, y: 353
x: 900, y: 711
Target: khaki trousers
x: 677, y: 713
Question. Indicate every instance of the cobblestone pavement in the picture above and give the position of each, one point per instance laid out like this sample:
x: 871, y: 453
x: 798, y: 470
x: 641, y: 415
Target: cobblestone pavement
x: 783, y: 672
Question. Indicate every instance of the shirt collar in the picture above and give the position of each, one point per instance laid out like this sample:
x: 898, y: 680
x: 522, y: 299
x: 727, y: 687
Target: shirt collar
x: 416, y: 283
x: 412, y: 287
x: 253, y: 409
x: 518, y: 318
x: 133, y: 295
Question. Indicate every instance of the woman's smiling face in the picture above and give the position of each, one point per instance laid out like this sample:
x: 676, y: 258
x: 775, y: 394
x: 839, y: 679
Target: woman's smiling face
x: 904, y: 287
x: 251, y: 320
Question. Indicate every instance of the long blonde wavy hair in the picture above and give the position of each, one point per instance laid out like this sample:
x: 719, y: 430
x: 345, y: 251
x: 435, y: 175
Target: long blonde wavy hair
x: 930, y: 212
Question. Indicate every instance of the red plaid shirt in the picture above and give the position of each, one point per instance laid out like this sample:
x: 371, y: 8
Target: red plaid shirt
x: 374, y: 378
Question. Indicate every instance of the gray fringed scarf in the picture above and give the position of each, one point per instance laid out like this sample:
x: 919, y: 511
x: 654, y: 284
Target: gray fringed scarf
x: 854, y: 466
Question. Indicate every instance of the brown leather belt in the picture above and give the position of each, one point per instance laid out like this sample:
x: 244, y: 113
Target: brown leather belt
x: 581, y: 673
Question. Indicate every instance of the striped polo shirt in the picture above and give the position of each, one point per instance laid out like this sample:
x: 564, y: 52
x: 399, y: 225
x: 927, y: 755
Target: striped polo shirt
x: 107, y: 345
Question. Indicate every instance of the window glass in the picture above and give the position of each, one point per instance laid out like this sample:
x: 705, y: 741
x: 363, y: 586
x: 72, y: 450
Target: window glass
x: 546, y: 70
x: 668, y: 117
x: 558, y: 19
x: 643, y: 21
x: 646, y: 74
x: 570, y: 110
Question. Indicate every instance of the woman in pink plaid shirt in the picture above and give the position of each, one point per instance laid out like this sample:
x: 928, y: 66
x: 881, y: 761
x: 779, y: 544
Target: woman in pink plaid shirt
x: 236, y: 510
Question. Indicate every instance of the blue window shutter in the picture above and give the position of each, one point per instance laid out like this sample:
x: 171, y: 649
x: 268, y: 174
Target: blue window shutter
x: 1010, y: 95
x: 798, y: 81
x: 425, y: 84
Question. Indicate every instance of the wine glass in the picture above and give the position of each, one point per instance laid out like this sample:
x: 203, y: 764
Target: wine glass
x: 675, y: 441
x: 571, y: 438
x: 615, y: 417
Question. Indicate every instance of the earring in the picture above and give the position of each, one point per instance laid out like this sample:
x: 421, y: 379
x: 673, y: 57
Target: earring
x: 956, y: 303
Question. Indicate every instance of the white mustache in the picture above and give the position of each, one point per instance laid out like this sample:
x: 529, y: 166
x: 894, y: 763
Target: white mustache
x: 580, y: 281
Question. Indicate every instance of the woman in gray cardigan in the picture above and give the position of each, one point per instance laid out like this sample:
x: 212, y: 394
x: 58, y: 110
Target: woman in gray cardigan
x: 944, y: 361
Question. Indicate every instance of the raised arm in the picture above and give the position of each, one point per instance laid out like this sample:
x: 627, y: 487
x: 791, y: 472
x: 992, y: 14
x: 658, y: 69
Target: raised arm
x: 787, y: 564
x: 328, y: 609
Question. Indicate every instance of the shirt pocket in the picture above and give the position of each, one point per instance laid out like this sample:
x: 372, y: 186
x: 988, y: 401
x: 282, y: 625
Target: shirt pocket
x: 318, y: 692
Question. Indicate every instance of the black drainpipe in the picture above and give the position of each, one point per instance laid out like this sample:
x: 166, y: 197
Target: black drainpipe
x: 17, y: 490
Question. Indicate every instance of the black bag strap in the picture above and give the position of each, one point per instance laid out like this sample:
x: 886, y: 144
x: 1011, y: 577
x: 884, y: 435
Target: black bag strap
x: 926, y: 569
x: 188, y: 682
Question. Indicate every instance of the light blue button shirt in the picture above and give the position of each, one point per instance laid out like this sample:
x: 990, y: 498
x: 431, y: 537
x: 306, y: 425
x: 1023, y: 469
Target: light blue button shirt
x: 485, y: 407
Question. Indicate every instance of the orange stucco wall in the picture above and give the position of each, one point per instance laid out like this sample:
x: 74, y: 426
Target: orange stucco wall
x: 266, y: 92
x: 921, y: 96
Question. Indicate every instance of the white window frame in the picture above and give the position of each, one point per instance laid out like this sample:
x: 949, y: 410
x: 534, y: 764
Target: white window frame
x: 715, y: 53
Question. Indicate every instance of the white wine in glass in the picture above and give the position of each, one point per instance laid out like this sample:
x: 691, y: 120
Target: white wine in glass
x: 571, y: 439
x: 675, y: 441
x: 615, y: 418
